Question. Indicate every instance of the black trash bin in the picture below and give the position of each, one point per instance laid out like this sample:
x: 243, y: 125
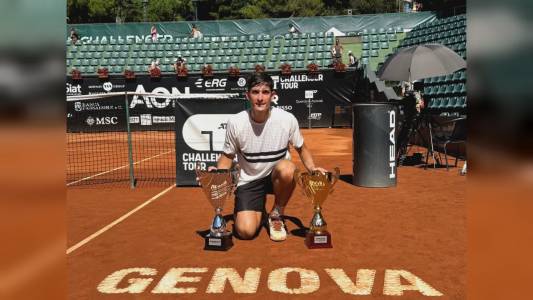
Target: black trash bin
x: 374, y: 144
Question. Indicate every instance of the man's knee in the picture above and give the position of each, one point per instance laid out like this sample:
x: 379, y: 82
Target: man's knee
x: 284, y: 171
x: 245, y: 233
x: 246, y: 227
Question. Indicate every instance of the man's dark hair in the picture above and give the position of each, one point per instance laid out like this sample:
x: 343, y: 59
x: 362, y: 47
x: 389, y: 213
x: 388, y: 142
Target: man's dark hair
x: 260, y: 78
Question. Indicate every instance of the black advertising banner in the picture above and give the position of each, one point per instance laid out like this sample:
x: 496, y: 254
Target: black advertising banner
x: 200, y: 134
x: 100, y: 114
x: 94, y: 85
x: 324, y: 91
x: 96, y: 115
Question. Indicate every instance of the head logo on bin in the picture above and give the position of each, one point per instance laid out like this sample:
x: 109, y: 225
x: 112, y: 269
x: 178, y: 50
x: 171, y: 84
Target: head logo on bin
x: 392, y: 146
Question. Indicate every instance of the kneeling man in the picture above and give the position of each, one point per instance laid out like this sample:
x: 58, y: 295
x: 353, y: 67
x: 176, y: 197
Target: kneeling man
x: 260, y: 138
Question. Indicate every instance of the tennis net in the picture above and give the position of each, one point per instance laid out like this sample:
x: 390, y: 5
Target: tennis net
x: 107, y: 142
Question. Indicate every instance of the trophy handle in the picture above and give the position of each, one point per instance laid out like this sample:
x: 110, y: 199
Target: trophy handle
x: 334, y: 178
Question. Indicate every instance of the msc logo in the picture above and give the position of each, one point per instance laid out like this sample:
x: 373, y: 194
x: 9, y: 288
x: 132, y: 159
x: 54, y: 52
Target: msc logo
x: 205, y: 132
x: 315, y: 116
x: 152, y: 102
x: 211, y: 83
x: 73, y: 89
x: 108, y: 86
x: 241, y: 82
x: 90, y: 121
x: 101, y: 121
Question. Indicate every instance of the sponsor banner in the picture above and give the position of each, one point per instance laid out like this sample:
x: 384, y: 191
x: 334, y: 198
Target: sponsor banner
x: 311, y: 99
x: 96, y: 115
x: 200, y: 134
x: 94, y: 85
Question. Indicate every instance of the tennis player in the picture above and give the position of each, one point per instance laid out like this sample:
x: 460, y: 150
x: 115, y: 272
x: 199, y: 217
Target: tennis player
x: 260, y: 138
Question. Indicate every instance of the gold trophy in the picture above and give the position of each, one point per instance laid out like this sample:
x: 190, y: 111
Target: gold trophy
x: 317, y: 186
x: 218, y: 186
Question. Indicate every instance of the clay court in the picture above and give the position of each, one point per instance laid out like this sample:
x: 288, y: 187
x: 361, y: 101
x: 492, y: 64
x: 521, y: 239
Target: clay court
x: 406, y: 242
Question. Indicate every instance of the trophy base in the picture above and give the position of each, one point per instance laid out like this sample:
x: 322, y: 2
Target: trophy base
x: 315, y: 240
x: 222, y: 243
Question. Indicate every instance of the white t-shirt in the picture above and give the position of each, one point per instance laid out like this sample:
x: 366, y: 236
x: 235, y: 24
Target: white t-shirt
x: 259, y: 146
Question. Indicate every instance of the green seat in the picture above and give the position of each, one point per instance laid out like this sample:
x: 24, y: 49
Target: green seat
x: 434, y: 103
x: 374, y: 46
x: 384, y: 45
x: 374, y: 53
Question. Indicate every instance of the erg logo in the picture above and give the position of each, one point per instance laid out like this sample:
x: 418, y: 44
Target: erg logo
x: 211, y: 83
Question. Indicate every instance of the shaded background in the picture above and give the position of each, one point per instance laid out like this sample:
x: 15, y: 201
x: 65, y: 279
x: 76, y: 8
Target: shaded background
x: 32, y: 74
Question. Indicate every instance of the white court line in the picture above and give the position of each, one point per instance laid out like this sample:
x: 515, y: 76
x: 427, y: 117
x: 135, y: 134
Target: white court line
x: 110, y: 225
x: 117, y: 168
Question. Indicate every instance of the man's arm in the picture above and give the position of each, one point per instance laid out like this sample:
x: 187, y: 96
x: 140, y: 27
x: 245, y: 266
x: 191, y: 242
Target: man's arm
x: 225, y: 161
x: 307, y: 159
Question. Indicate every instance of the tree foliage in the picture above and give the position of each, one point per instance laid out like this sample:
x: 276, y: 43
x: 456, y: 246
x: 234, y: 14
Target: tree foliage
x: 94, y: 11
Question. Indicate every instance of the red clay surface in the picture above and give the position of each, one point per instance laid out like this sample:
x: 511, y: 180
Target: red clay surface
x: 418, y: 226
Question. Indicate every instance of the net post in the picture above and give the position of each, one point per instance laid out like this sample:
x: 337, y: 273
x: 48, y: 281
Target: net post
x: 130, y: 146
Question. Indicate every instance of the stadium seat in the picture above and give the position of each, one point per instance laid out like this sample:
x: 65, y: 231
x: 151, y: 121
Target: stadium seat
x: 374, y: 53
x: 433, y: 103
x: 463, y: 75
x: 365, y: 53
x: 453, y: 102
x: 366, y: 46
x: 449, y: 89
x: 384, y: 45
x: 392, y: 37
x: 366, y: 39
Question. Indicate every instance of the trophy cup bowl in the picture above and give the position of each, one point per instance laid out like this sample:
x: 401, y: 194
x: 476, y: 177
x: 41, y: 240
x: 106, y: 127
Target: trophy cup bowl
x: 217, y: 186
x: 317, y: 186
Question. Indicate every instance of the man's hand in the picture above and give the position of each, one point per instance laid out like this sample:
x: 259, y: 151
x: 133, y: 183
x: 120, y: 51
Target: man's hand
x: 321, y: 170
